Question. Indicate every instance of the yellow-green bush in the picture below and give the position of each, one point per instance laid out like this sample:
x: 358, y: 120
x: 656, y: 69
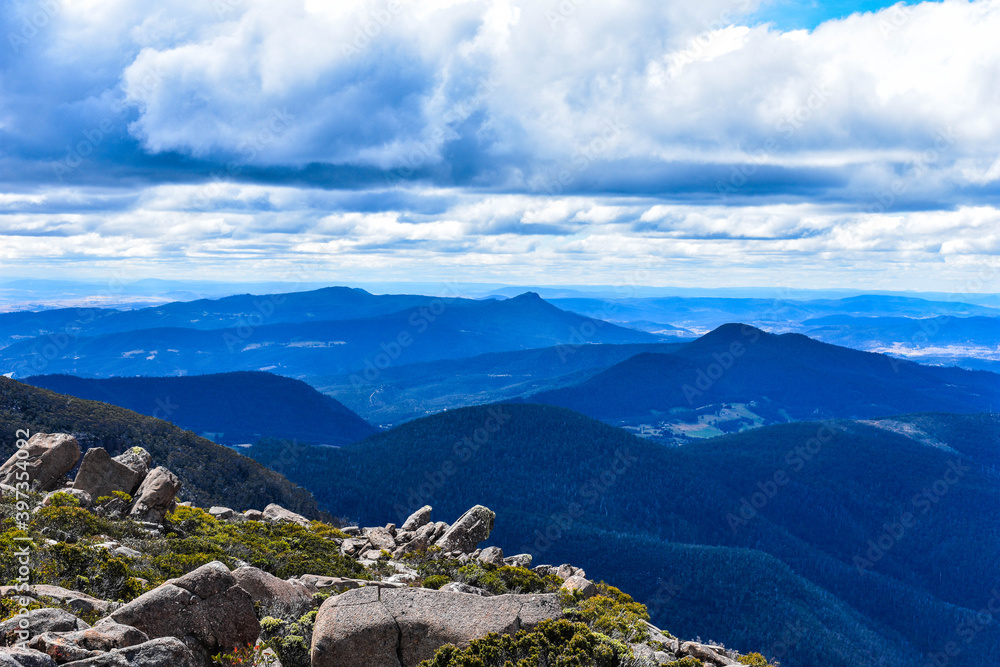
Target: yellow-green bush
x: 552, y: 644
x: 610, y: 612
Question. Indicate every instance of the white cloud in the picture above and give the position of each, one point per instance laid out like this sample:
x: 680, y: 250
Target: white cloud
x: 664, y: 132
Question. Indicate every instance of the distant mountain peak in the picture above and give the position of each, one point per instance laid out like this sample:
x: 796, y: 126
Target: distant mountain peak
x: 528, y: 296
x: 730, y: 333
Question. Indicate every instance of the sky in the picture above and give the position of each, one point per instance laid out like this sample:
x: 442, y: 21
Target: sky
x: 719, y: 143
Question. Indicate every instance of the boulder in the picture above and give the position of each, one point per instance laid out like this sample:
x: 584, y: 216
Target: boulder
x: 380, y: 539
x: 48, y: 456
x: 491, y: 556
x: 418, y: 519
x: 578, y: 583
x: 353, y: 547
x: 17, y: 656
x: 39, y: 621
x: 459, y: 587
x: 222, y: 513
x: 79, y: 603
x: 274, y: 594
x: 401, y: 627
x: 413, y: 545
x: 471, y: 528
x: 519, y: 560
x: 206, y: 609
x: 254, y: 515
x: 671, y: 644
x: 565, y: 571
x: 705, y: 654
x: 138, y: 460
x: 315, y: 583
x: 438, y: 529
x: 279, y: 514
x: 106, y: 635
x: 155, y: 496
x: 163, y: 652
x: 100, y: 475
x: 60, y: 649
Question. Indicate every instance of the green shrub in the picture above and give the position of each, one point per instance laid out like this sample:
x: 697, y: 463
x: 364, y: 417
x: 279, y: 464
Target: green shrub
x: 552, y: 644
x: 755, y: 660
x: 68, y: 521
x: 686, y: 662
x: 436, y: 581
x: 611, y: 612
x: 63, y: 499
x: 92, y: 570
x: 476, y: 575
x: 291, y: 640
x: 523, y: 580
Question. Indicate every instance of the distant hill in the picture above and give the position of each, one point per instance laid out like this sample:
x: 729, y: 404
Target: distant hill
x: 212, y: 474
x: 785, y: 313
x: 786, y: 377
x: 327, y: 304
x: 402, y: 393
x: 668, y: 522
x: 233, y: 407
x: 440, y: 330
x: 969, y: 342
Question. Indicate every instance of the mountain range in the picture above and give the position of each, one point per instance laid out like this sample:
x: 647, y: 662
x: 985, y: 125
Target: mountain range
x: 426, y: 330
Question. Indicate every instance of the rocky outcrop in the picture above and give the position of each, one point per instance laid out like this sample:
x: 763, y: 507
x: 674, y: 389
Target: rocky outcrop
x: 418, y: 519
x: 78, y: 603
x: 107, y: 635
x: 206, y: 609
x: 491, y: 556
x: 155, y: 496
x: 279, y: 514
x: 401, y: 627
x: 418, y: 533
x: 224, y: 514
x: 138, y: 460
x: 17, y: 656
x: 164, y: 652
x: 40, y: 621
x: 277, y: 596
x: 577, y: 584
x: 41, y: 462
x: 707, y: 654
x: 471, y: 528
x: 100, y: 475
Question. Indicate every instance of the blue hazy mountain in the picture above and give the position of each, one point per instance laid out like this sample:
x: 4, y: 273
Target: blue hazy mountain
x: 777, y: 377
x: 427, y: 330
x: 228, y: 408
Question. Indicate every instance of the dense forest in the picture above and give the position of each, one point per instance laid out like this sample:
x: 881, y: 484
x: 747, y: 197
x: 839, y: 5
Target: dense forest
x: 574, y: 483
x: 235, y: 408
x: 212, y: 474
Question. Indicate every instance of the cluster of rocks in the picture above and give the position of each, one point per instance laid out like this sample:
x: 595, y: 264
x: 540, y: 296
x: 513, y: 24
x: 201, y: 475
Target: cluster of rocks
x: 48, y: 457
x: 179, y: 624
x: 418, y: 533
x: 391, y: 622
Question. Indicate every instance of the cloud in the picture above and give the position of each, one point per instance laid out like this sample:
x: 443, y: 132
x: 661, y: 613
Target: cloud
x: 499, y: 132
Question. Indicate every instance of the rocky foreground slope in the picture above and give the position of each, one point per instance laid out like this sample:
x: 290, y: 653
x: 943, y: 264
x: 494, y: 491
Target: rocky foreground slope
x: 108, y: 570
